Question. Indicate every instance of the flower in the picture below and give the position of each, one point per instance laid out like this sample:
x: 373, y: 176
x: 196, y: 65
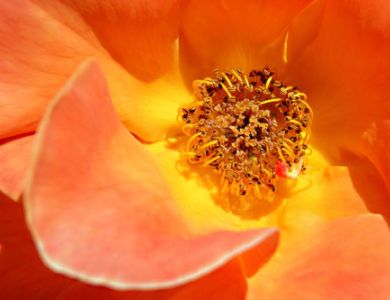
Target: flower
x: 112, y: 208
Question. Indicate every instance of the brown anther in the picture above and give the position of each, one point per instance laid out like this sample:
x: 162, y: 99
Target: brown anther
x: 245, y: 127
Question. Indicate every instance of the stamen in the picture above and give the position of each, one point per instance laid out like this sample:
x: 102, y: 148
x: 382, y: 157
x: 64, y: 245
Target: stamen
x: 252, y: 129
x: 285, y: 49
x: 212, y: 143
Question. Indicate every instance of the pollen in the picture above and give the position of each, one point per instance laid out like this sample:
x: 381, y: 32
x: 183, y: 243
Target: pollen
x: 251, y: 129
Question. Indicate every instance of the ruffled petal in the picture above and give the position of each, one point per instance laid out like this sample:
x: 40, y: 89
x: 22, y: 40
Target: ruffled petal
x: 98, y: 208
x: 347, y: 258
x: 138, y: 34
x: 23, y: 275
x: 15, y: 156
x: 232, y: 34
x: 344, y: 72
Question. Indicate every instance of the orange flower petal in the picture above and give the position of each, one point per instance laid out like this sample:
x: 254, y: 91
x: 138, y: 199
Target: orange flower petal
x: 344, y: 259
x: 37, y: 61
x: 344, y: 72
x: 370, y: 184
x: 231, y: 34
x: 374, y: 14
x: 138, y: 34
x: 95, y: 201
x: 301, y: 33
x: 376, y: 145
x: 23, y: 275
x: 295, y: 198
x: 150, y: 110
x: 327, y: 194
x: 14, y: 160
x: 224, y: 283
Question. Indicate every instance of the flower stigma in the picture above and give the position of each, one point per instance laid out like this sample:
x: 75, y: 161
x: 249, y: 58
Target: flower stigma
x: 252, y: 129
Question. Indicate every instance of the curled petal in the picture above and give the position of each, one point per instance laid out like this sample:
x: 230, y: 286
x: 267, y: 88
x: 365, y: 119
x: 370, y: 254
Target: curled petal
x: 98, y: 208
x: 23, y: 275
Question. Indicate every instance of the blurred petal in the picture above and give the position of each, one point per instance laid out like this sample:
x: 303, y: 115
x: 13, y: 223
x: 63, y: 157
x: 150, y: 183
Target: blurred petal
x: 23, y: 276
x: 35, y: 61
x: 138, y: 34
x: 14, y: 160
x: 344, y: 72
x: 374, y: 14
x: 231, y: 34
x: 376, y: 146
x: 95, y: 201
x: 347, y: 258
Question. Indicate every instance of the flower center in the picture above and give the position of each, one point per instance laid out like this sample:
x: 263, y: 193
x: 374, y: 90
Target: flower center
x: 252, y: 129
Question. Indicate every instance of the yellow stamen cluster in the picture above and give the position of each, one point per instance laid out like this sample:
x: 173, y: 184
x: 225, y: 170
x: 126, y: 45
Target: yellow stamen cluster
x: 252, y: 129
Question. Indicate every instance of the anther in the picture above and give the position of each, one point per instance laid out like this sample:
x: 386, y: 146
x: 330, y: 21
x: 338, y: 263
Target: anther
x: 251, y: 130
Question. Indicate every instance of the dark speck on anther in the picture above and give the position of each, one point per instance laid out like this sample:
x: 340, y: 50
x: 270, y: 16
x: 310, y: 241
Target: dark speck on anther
x: 232, y: 132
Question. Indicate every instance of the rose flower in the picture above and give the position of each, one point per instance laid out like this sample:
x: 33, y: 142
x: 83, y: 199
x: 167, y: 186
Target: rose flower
x: 188, y: 149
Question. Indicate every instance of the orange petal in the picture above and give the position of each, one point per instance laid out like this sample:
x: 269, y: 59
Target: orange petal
x: 37, y: 61
x: 344, y: 72
x: 345, y: 259
x: 318, y: 197
x: 23, y: 275
x: 98, y: 208
x: 194, y: 191
x: 370, y: 184
x: 231, y: 34
x: 150, y: 110
x: 138, y: 34
x: 374, y: 14
x: 376, y: 144
x: 224, y: 283
x: 301, y: 32
x: 14, y: 160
